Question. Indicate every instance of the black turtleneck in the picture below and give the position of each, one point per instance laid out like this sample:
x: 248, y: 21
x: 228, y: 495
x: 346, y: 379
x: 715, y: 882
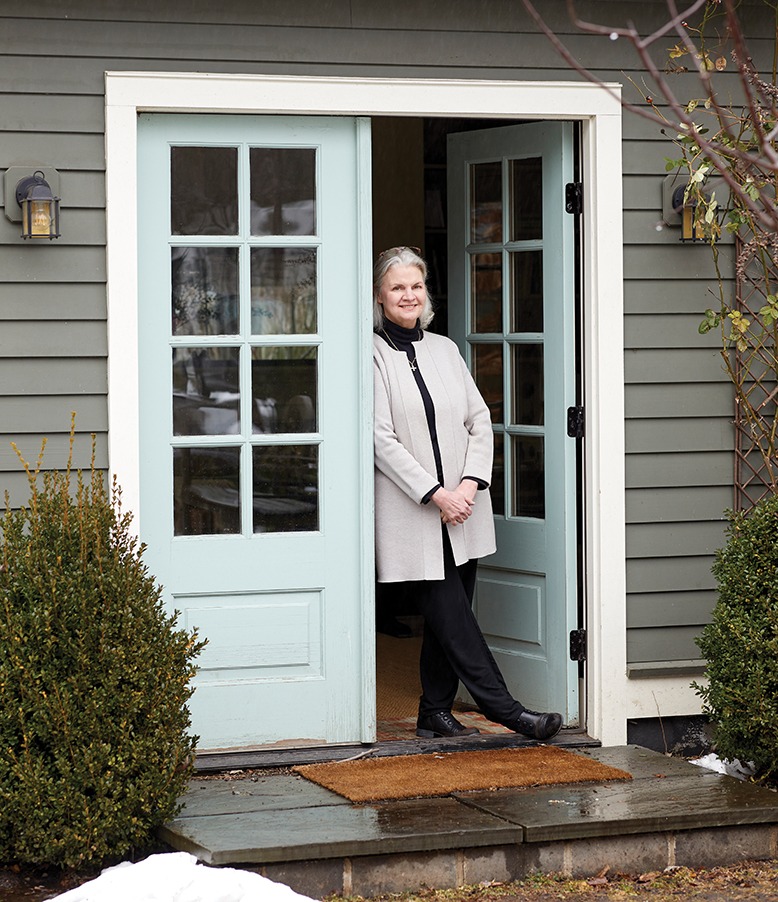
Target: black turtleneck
x: 401, y: 339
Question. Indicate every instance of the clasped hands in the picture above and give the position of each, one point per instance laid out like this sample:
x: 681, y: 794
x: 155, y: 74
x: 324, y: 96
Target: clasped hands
x: 456, y: 506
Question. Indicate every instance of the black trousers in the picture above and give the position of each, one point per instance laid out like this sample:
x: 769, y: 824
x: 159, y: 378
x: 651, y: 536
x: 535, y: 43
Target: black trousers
x: 454, y: 648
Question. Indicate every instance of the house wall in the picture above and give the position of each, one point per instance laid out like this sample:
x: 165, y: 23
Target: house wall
x: 53, y: 56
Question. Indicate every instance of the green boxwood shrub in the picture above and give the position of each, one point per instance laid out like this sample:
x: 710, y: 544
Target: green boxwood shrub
x: 740, y: 645
x: 94, y: 680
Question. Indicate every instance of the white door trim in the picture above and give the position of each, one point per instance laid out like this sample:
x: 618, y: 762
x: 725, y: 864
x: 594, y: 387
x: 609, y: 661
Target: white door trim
x: 128, y: 93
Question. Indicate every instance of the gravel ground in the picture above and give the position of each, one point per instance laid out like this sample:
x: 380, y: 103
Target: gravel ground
x: 750, y: 880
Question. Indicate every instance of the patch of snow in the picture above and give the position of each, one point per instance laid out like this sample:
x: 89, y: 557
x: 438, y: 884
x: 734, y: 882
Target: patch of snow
x: 179, y: 877
x: 732, y: 768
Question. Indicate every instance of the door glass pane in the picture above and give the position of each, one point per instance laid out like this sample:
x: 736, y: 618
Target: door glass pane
x: 206, y: 391
x: 528, y: 387
x: 204, y: 190
x: 486, y: 202
x: 204, y: 290
x: 526, y: 187
x: 284, y: 389
x: 283, y: 290
x: 497, y: 488
x: 486, y: 292
x: 527, y: 291
x: 286, y: 488
x: 529, y: 489
x: 283, y: 191
x: 206, y: 491
x: 487, y: 372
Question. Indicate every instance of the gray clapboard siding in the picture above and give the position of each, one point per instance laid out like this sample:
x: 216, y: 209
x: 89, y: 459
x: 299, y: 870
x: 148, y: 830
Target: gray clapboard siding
x: 71, y: 301
x: 678, y: 643
x: 663, y: 609
x: 183, y: 40
x: 667, y: 330
x: 55, y: 376
x: 682, y: 261
x: 52, y: 263
x: 692, y: 365
x: 23, y: 113
x: 55, y: 455
x: 53, y: 338
x: 689, y: 504
x: 671, y: 295
x: 463, y: 14
x: 674, y: 469
x: 647, y: 540
x: 675, y: 574
x: 680, y: 434
x: 73, y: 151
x: 40, y: 414
x: 52, y: 64
x: 679, y: 399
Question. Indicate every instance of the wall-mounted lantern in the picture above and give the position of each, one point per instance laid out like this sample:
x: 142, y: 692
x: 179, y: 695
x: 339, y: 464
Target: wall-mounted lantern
x: 677, y: 210
x: 30, y: 200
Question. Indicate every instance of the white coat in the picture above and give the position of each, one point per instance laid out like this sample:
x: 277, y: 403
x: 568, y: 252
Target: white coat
x: 409, y: 543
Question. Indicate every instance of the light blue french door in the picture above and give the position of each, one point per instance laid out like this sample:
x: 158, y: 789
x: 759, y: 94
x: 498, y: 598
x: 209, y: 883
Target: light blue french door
x: 253, y: 427
x: 511, y: 309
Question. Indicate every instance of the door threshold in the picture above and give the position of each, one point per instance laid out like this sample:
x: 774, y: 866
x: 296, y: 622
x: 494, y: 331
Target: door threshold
x: 216, y: 762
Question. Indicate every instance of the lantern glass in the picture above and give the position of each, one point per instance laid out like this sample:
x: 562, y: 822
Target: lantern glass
x: 40, y: 209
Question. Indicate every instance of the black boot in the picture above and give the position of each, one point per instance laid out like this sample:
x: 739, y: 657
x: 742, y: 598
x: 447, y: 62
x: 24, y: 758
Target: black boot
x: 536, y: 725
x: 443, y: 723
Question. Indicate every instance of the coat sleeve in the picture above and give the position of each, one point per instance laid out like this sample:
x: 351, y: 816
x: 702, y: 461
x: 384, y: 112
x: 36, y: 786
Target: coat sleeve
x: 478, y: 422
x: 392, y: 458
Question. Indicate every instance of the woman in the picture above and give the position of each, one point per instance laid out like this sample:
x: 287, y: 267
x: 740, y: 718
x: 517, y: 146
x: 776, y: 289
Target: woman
x: 433, y: 458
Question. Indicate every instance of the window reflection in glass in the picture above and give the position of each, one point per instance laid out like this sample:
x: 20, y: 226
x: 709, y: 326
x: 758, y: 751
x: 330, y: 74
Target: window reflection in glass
x: 283, y: 191
x: 526, y: 187
x: 487, y: 292
x: 487, y: 372
x: 497, y: 487
x: 486, y: 202
x: 529, y: 488
x: 528, y: 384
x: 283, y: 290
x: 286, y: 488
x: 284, y: 389
x: 206, y: 491
x: 204, y: 190
x: 527, y: 291
x: 206, y: 391
x: 204, y: 290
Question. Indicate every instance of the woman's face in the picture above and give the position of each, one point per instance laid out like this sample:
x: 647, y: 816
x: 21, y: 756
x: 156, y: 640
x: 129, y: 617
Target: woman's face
x: 402, y: 295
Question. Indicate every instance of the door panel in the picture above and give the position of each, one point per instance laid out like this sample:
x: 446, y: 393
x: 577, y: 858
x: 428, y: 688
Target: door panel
x: 511, y: 310
x: 251, y: 415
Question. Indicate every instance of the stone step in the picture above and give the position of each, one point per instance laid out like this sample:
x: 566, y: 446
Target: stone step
x: 293, y: 831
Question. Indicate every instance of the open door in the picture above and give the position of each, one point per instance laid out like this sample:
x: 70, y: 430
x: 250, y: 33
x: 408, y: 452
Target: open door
x: 254, y: 433
x: 512, y: 312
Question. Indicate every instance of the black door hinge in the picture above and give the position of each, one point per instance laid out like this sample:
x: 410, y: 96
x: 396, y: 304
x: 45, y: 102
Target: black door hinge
x: 575, y: 422
x: 574, y: 198
x: 578, y: 645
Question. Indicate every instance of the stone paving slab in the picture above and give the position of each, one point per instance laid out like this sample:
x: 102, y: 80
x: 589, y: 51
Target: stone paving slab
x: 273, y: 793
x: 296, y: 834
x: 285, y: 818
x: 643, y: 806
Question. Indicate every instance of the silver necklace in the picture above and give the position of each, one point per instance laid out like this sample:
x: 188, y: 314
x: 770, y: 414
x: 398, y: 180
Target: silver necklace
x: 411, y: 363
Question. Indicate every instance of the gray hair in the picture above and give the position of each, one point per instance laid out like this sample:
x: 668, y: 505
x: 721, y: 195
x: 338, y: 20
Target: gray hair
x: 399, y: 256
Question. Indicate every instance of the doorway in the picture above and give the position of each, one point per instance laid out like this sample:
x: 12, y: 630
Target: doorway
x: 484, y: 201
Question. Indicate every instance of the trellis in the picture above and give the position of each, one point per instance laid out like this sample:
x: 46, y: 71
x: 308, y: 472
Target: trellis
x: 755, y: 363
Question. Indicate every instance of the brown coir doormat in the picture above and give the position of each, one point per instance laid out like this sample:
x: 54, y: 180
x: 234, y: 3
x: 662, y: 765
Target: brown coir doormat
x: 422, y: 776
